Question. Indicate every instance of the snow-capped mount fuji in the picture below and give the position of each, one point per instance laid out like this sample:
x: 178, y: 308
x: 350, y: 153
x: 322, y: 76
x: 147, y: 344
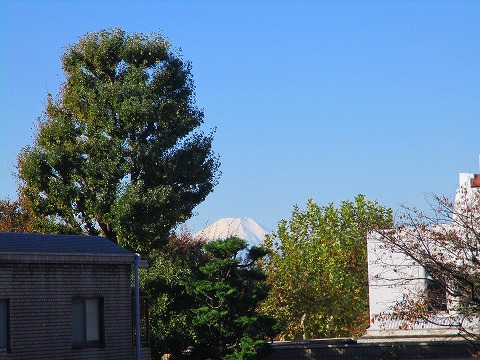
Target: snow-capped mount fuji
x: 246, y: 229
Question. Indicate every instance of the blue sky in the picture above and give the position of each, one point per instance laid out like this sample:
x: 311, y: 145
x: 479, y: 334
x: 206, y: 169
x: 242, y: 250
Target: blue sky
x: 311, y: 99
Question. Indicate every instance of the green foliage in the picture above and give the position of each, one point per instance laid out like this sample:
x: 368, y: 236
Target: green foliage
x: 165, y: 280
x: 227, y: 293
x: 207, y: 303
x: 116, y: 152
x: 317, y: 268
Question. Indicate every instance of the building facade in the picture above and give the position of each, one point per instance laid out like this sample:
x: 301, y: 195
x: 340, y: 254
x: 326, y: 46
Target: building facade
x: 393, y: 275
x: 65, y: 297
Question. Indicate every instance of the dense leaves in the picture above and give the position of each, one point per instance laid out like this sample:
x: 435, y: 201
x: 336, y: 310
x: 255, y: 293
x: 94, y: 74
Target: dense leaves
x: 318, y: 269
x: 207, y: 308
x: 165, y: 279
x: 227, y: 293
x: 116, y: 152
x: 12, y: 217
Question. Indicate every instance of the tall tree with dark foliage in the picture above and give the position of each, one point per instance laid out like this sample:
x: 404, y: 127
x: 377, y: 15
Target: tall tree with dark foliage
x: 118, y: 152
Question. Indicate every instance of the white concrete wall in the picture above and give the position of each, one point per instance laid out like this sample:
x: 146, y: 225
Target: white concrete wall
x: 391, y: 275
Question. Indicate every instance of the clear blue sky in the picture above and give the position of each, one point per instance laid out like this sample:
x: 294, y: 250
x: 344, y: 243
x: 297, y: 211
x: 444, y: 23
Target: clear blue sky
x: 311, y: 99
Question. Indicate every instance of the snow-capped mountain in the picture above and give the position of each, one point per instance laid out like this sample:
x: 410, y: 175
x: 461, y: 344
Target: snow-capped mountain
x: 246, y: 229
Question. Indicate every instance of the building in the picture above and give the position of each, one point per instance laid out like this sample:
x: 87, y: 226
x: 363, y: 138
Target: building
x: 393, y: 275
x: 66, y: 297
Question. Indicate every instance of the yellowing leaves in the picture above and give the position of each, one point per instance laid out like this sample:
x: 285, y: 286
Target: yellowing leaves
x: 318, y: 269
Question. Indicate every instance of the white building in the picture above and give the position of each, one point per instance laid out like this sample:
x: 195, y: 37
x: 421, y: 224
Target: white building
x: 392, y: 275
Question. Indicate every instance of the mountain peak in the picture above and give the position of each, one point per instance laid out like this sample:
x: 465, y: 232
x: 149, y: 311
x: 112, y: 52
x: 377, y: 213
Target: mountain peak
x: 244, y: 228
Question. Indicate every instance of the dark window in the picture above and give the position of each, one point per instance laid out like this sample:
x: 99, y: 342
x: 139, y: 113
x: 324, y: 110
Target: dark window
x: 87, y: 322
x: 4, y: 324
x: 436, y: 294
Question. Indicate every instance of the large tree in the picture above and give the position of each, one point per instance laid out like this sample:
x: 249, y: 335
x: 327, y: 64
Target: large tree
x: 118, y: 151
x: 318, y: 269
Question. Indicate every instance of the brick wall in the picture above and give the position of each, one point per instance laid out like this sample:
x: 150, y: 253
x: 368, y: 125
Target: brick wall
x: 41, y: 309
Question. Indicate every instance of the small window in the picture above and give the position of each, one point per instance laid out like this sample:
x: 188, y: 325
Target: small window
x: 436, y: 294
x: 87, y: 322
x: 4, y: 324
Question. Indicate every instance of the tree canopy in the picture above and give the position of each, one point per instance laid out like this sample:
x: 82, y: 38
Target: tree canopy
x: 208, y: 300
x: 118, y: 151
x: 170, y: 316
x: 317, y: 269
x: 227, y: 292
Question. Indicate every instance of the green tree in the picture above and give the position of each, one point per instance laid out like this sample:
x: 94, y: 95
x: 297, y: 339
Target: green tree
x: 118, y: 151
x: 227, y: 292
x: 317, y: 269
x: 209, y: 294
x: 170, y: 317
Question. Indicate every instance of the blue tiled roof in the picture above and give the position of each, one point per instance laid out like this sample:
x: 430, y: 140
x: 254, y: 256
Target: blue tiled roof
x: 58, y: 244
